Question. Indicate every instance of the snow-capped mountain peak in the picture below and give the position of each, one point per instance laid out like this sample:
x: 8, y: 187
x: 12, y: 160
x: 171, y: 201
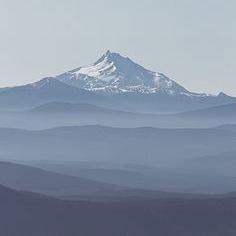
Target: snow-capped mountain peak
x: 113, y: 73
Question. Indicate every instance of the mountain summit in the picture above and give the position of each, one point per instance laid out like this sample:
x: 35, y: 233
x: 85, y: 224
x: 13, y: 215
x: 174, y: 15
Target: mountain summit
x: 113, y: 73
x: 114, y: 82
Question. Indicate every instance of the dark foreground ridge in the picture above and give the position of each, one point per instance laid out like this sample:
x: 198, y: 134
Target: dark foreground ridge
x: 26, y: 214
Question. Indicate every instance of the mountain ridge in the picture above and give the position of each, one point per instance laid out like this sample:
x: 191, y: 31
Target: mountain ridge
x: 33, y: 179
x: 31, y: 214
x: 114, y: 82
x: 113, y: 73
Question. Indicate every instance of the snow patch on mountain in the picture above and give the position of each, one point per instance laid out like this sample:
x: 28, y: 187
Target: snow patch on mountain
x: 113, y: 73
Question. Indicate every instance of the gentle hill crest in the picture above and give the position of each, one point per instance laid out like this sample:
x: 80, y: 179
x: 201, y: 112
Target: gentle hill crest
x: 26, y: 178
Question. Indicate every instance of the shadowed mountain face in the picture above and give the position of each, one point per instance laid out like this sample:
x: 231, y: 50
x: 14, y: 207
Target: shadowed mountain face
x: 24, y: 214
x: 32, y: 179
x: 45, y: 90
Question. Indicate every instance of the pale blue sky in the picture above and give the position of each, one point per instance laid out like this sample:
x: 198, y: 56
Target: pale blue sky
x: 191, y: 41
